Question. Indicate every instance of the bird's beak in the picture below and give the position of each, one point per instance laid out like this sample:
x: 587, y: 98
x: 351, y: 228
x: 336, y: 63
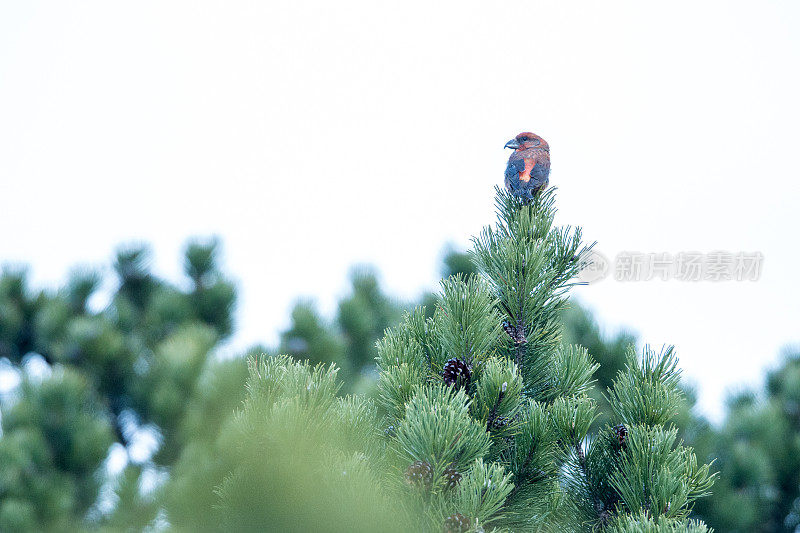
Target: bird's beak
x: 513, y: 144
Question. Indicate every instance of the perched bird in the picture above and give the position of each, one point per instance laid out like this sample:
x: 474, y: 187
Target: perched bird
x: 528, y: 169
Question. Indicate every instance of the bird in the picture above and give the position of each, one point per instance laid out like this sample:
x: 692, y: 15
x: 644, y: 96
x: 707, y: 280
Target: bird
x: 528, y: 169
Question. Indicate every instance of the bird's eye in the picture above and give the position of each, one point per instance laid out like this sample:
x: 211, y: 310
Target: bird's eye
x: 532, y: 141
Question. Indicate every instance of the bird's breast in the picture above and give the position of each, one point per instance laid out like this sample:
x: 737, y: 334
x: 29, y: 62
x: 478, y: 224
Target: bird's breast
x: 525, y: 174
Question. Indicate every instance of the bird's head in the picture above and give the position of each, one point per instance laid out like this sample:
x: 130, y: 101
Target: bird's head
x: 526, y: 140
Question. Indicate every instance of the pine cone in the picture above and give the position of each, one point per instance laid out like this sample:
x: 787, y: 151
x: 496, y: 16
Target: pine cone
x: 622, y: 434
x: 452, y: 478
x: 457, y: 372
x: 517, y: 333
x: 499, y: 423
x: 457, y: 523
x: 419, y: 473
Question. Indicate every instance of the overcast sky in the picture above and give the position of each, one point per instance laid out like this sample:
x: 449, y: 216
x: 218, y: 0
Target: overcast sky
x: 314, y: 135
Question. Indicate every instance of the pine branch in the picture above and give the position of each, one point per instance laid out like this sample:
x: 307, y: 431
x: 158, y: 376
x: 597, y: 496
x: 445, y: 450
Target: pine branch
x: 522, y: 478
x: 493, y: 413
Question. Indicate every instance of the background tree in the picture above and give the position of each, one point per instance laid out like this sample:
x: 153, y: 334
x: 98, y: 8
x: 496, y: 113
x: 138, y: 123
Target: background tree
x: 311, y: 337
x: 757, y: 452
x: 349, y: 339
x: 102, y: 376
x: 55, y: 436
x: 363, y: 316
x: 189, y: 496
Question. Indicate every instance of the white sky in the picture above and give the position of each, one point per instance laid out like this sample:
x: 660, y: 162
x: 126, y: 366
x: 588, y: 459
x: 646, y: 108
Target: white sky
x: 313, y: 135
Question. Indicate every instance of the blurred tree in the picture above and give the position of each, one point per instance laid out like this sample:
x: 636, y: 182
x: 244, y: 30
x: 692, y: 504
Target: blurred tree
x: 189, y: 496
x: 758, y: 455
x: 19, y: 307
x: 311, y: 337
x: 54, y: 437
x: 581, y: 327
x: 304, y: 458
x: 363, y: 316
x: 349, y: 340
x: 133, y: 366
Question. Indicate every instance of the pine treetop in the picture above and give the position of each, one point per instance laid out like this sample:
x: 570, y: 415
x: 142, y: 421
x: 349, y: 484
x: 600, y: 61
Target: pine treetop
x: 483, y: 417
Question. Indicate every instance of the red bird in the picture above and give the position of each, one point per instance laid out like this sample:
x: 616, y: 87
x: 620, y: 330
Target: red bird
x: 528, y: 170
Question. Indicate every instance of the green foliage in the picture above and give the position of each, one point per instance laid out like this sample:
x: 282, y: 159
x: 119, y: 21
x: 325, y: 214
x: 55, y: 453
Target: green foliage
x: 536, y: 453
x: 526, y: 444
x: 498, y: 393
x: 406, y: 343
x: 134, y: 510
x: 310, y: 338
x: 483, y: 491
x: 189, y: 497
x: 465, y: 323
x: 643, y: 523
x: 647, y: 391
x: 638, y: 466
x: 574, y: 369
x: 757, y: 451
x: 438, y: 429
x: 134, y: 364
x: 572, y: 416
x: 608, y: 351
x: 396, y: 386
x: 348, y: 340
x: 520, y: 406
x: 212, y: 298
x: 18, y: 312
x: 274, y: 378
x: 54, y: 437
x: 454, y: 263
x: 654, y: 475
x: 172, y: 378
x: 529, y: 266
x: 363, y: 316
x: 304, y: 459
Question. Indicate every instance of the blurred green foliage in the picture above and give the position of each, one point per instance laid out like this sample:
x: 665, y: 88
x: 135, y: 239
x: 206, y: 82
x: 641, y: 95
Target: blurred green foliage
x: 757, y: 452
x: 145, y: 363
x: 89, y: 378
x: 54, y: 437
x: 349, y: 339
x: 304, y: 459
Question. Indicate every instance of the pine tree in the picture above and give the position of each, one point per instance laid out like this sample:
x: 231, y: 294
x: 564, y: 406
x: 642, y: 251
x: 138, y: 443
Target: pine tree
x: 483, y: 416
x: 608, y: 351
x: 102, y: 376
x: 758, y: 454
x: 303, y: 458
x: 349, y: 340
x: 54, y: 438
x: 521, y: 408
x: 363, y: 315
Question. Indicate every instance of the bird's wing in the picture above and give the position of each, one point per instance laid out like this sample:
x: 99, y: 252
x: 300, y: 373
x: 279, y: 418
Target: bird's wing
x: 516, y: 164
x: 540, y: 170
